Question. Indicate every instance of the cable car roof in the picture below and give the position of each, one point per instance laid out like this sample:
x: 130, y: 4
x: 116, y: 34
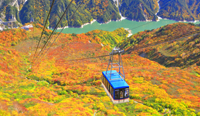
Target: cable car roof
x: 116, y: 81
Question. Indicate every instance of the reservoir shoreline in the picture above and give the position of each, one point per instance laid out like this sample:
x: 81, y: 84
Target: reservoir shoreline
x: 133, y: 26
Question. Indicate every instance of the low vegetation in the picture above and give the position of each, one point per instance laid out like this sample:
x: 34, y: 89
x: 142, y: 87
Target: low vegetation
x: 56, y: 84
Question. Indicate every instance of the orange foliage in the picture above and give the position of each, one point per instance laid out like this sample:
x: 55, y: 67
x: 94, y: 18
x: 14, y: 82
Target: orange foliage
x: 11, y: 36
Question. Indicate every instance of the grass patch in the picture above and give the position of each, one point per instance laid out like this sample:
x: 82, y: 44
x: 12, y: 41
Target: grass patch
x: 29, y: 104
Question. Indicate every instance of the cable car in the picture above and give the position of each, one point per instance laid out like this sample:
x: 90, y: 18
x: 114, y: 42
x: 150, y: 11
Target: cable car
x: 114, y: 82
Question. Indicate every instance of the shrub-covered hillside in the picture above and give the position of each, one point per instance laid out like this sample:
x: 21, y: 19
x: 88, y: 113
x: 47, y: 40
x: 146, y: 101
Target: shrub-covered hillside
x: 56, y: 84
x: 182, y: 53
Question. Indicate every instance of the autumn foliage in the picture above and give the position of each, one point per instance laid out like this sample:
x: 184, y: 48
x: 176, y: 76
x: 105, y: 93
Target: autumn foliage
x: 56, y: 84
x: 11, y: 37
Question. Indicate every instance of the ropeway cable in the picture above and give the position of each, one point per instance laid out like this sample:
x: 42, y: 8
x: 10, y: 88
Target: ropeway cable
x: 134, y: 49
x: 59, y: 32
x: 44, y: 26
x: 53, y: 30
x: 63, y: 29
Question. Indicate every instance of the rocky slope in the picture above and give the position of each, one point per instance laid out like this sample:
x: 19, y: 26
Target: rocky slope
x: 10, y: 7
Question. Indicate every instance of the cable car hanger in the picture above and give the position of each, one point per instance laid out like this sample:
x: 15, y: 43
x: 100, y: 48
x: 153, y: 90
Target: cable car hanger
x: 113, y: 81
x: 115, y: 51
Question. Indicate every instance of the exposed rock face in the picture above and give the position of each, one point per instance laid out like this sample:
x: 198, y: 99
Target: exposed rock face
x: 13, y: 3
x: 9, y: 12
x: 17, y: 3
x: 21, y: 1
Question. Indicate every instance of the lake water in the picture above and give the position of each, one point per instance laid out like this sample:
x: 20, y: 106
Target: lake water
x: 134, y: 26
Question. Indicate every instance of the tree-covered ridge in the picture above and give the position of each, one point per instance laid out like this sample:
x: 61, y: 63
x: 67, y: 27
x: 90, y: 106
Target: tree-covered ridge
x: 140, y: 10
x: 180, y: 9
x: 101, y: 10
x: 35, y: 11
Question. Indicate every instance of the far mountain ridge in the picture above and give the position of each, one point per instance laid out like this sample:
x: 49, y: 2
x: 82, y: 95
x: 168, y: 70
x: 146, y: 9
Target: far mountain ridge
x: 140, y: 10
x: 188, y: 10
x: 25, y: 11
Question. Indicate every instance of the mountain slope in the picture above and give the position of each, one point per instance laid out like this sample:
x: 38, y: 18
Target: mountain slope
x: 56, y: 84
x: 181, y: 53
x: 22, y: 11
x: 101, y: 10
x: 9, y: 8
x: 140, y: 10
x: 180, y: 9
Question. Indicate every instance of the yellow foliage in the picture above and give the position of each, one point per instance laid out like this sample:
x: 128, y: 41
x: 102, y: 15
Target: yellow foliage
x: 140, y: 106
x: 101, y: 106
x: 105, y: 99
x: 144, y: 114
x: 110, y: 111
x: 4, y: 113
x: 2, y: 73
x: 115, y: 108
x: 14, y: 113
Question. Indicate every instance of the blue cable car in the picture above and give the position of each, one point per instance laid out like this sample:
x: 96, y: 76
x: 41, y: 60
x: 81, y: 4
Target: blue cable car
x: 114, y: 82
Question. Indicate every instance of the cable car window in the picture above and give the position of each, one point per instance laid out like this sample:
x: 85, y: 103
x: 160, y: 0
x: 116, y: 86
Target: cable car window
x: 121, y: 93
x: 126, y: 93
x: 108, y: 87
x: 117, y: 94
x: 111, y: 91
x: 106, y: 84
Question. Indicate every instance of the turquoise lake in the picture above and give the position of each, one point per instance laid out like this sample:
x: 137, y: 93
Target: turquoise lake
x: 134, y: 26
